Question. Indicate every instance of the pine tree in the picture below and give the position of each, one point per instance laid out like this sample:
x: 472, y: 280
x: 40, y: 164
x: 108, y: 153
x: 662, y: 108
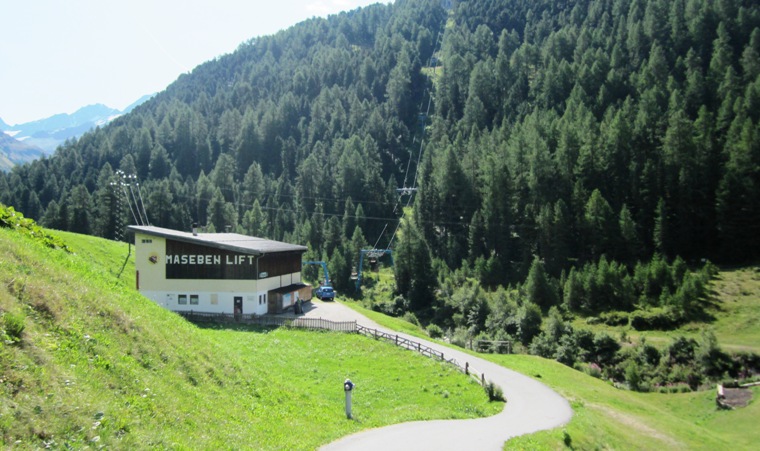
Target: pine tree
x: 537, y: 287
x: 413, y: 269
x: 739, y: 189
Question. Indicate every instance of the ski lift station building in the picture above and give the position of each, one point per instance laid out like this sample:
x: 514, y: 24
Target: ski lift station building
x: 217, y: 272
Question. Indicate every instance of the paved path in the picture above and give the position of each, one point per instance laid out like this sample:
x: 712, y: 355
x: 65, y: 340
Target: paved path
x: 531, y: 405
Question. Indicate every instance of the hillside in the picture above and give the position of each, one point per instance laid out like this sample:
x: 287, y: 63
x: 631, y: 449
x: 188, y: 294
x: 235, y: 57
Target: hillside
x: 98, y: 365
x: 529, y: 162
x: 43, y: 136
x: 13, y: 152
x: 732, y: 312
x: 86, y: 361
x: 607, y: 416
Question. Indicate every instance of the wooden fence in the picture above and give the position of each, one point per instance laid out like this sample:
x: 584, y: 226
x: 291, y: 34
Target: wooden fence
x: 493, y: 346
x: 323, y: 324
x: 401, y: 342
x: 422, y: 349
x: 268, y: 320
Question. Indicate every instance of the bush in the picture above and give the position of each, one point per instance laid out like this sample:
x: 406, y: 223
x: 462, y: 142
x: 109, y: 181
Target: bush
x: 14, y: 327
x: 434, y: 331
x: 12, y: 219
x: 655, y: 319
x: 494, y: 392
x: 614, y: 318
x: 633, y: 375
x: 395, y: 307
x: 411, y: 318
x: 459, y: 337
x: 594, y: 370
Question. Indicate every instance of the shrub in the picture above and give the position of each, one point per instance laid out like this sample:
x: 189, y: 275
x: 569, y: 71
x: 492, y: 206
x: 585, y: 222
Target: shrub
x: 395, y: 307
x: 605, y: 349
x: 543, y: 346
x: 614, y: 318
x: 434, y: 331
x: 594, y: 370
x: 14, y: 326
x: 655, y: 319
x: 459, y: 337
x: 494, y: 392
x: 633, y: 375
x: 12, y: 219
x: 411, y: 318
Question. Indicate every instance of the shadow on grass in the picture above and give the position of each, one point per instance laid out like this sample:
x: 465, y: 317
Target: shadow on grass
x: 237, y: 327
x: 264, y: 323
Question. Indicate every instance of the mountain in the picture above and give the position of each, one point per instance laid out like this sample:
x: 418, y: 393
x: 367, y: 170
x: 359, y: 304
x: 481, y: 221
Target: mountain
x: 47, y: 134
x: 13, y: 152
x: 560, y: 136
x: 526, y: 161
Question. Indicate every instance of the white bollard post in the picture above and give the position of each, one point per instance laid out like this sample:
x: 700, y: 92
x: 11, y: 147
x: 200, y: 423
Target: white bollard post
x: 348, y: 387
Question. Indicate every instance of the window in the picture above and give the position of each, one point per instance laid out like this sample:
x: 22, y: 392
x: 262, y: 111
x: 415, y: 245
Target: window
x: 193, y: 299
x: 182, y: 299
x: 147, y: 241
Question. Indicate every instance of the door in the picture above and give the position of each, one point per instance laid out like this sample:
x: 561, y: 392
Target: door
x: 238, y: 301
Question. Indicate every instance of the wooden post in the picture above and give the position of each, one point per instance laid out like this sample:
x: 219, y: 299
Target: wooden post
x: 467, y: 368
x: 483, y: 379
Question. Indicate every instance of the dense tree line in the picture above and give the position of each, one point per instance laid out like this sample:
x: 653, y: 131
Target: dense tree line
x: 565, y: 151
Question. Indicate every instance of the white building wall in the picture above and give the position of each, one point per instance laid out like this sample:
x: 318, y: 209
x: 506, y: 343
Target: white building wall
x: 208, y: 302
x: 213, y: 296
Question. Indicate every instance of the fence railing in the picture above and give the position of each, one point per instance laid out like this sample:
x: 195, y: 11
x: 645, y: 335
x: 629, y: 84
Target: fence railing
x: 422, y: 349
x: 337, y: 326
x: 401, y: 342
x: 274, y: 321
x: 493, y: 346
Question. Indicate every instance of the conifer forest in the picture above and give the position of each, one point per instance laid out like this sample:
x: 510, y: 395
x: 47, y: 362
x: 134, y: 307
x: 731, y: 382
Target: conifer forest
x: 527, y: 161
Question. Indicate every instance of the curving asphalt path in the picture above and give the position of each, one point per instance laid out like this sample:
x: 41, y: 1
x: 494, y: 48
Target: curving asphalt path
x: 531, y: 406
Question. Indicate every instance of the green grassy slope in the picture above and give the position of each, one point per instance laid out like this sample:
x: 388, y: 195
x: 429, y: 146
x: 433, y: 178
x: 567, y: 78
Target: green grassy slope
x: 99, y: 365
x: 732, y: 312
x: 609, y: 418
x: 606, y: 417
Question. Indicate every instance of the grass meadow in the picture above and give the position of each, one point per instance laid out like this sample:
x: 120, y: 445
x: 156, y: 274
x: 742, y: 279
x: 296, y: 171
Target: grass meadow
x: 606, y: 417
x: 99, y: 366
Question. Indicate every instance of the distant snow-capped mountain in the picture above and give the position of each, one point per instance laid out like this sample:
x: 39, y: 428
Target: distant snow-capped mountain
x: 47, y: 134
x: 13, y: 152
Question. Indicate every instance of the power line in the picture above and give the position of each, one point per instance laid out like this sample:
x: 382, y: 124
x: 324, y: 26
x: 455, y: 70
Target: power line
x: 132, y: 193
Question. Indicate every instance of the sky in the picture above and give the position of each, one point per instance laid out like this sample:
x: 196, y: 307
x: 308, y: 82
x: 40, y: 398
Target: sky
x: 57, y: 56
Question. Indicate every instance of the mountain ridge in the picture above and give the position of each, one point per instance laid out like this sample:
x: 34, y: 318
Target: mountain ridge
x: 550, y: 138
x: 42, y: 136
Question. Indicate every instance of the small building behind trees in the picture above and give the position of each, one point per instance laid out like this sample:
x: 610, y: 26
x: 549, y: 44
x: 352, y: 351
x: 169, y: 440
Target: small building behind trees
x: 217, y: 272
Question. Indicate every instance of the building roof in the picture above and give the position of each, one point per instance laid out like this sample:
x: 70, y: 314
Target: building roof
x: 234, y: 242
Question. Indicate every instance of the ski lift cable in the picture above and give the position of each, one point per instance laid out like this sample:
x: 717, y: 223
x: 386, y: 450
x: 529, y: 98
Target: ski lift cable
x: 142, y: 203
x: 137, y: 204
x: 129, y: 203
x: 438, y: 42
x: 381, y: 235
